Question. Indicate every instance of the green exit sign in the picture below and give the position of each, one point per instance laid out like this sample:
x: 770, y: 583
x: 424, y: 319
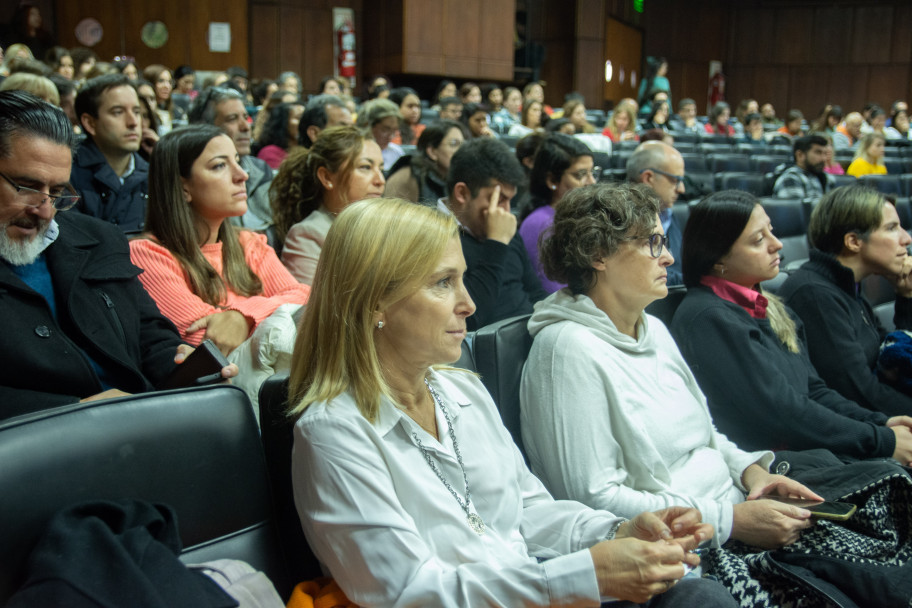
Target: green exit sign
x: 638, y: 6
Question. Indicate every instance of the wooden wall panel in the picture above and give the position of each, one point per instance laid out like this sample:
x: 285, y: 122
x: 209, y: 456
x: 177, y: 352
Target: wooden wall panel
x: 187, y: 30
x: 297, y: 36
x: 832, y: 29
x: 901, y: 40
x: 871, y: 34
x: 848, y: 86
x: 792, y: 42
x: 264, y: 26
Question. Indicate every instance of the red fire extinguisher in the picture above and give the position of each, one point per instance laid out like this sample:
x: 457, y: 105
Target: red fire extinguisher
x: 346, y: 59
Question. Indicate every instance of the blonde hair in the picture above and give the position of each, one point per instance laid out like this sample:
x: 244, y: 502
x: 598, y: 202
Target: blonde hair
x: 622, y: 108
x: 376, y: 253
x: 864, y: 143
x: 39, y: 86
x: 781, y: 322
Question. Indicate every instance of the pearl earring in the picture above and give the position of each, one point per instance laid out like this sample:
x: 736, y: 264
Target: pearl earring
x: 379, y: 324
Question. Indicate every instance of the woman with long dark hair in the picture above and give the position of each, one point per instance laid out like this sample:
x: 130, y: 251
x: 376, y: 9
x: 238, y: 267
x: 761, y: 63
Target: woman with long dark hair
x: 410, y: 127
x: 280, y: 133
x: 422, y: 179
x: 562, y: 163
x: 210, y: 278
x: 748, y: 352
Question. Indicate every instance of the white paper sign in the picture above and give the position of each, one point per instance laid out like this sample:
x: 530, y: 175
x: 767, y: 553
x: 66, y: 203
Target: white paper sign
x: 219, y: 37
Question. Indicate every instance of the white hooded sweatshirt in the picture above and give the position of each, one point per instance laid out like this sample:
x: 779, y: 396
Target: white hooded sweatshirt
x: 621, y: 424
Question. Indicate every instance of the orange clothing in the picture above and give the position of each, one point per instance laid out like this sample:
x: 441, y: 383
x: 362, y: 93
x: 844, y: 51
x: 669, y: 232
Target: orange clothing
x: 165, y: 280
x: 319, y: 593
x: 842, y: 129
x: 416, y: 129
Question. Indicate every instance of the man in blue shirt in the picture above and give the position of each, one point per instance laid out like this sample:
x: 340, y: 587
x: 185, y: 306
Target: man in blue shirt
x: 661, y: 167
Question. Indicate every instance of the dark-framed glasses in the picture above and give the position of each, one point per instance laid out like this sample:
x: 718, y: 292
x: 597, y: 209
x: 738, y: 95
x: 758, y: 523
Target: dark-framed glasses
x: 677, y: 179
x: 657, y: 243
x: 35, y: 198
x: 595, y: 172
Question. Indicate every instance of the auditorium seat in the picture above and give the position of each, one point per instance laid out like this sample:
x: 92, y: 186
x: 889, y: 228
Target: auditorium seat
x: 789, y: 218
x: 704, y: 178
x: 694, y: 161
x: 665, y: 308
x: 619, y: 158
x: 197, y: 450
x: 755, y: 183
x: 500, y: 350
x: 887, y: 184
x: 719, y: 163
x: 711, y: 138
x: 715, y: 148
x: 844, y: 180
x: 764, y: 163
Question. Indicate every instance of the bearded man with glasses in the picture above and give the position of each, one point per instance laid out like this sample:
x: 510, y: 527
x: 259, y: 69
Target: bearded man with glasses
x: 661, y: 167
x: 77, y: 323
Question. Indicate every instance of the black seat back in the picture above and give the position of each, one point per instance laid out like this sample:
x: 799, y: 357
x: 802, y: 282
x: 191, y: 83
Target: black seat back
x: 500, y: 351
x: 665, y: 308
x: 276, y: 431
x: 197, y: 450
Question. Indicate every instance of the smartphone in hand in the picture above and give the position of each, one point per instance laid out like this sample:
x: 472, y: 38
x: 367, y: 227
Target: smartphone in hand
x: 203, y: 366
x: 838, y: 511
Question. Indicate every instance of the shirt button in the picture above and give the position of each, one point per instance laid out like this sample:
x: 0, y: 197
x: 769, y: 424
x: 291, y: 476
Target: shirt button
x: 783, y: 468
x: 42, y: 331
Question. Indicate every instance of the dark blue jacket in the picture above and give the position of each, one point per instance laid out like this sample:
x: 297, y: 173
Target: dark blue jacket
x: 103, y: 196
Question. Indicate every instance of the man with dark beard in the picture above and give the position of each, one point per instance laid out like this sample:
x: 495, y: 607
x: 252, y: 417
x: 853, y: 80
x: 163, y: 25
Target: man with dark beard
x: 77, y: 323
x: 806, y: 179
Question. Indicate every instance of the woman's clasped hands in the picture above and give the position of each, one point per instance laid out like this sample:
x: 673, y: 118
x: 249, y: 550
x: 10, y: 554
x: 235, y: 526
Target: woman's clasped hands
x: 649, y: 553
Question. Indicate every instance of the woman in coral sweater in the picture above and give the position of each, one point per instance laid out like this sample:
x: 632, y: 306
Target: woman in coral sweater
x: 213, y: 280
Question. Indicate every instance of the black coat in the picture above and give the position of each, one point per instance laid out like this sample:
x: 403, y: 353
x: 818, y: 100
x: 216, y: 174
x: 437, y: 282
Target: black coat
x: 499, y: 278
x: 102, y: 308
x: 843, y: 334
x: 761, y: 395
x: 102, y: 194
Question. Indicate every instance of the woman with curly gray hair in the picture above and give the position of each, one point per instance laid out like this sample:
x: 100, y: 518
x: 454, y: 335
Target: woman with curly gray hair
x: 611, y: 414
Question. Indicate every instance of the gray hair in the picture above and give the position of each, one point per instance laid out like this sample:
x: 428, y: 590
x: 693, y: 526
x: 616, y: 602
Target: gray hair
x: 648, y: 155
x: 203, y: 110
x: 375, y: 110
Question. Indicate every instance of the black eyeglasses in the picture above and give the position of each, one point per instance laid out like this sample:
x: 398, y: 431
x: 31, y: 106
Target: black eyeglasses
x: 35, y: 198
x: 657, y: 243
x: 678, y: 179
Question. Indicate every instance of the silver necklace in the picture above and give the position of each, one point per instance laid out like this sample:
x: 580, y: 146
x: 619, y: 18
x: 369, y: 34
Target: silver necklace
x: 474, y: 520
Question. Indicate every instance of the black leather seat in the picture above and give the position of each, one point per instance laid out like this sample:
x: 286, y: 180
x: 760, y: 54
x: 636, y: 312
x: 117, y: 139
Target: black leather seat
x: 755, y: 183
x: 197, y: 450
x: 500, y: 351
x: 719, y: 163
x: 887, y: 184
x: 694, y: 161
x: 665, y: 308
x: 789, y: 218
x: 277, y: 434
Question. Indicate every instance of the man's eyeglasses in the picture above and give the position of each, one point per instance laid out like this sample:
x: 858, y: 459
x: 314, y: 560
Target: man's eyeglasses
x: 657, y: 243
x: 678, y: 179
x: 595, y: 172
x: 35, y: 198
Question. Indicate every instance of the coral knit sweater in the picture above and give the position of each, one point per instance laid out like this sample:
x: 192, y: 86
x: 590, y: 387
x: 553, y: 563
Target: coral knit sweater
x: 167, y: 283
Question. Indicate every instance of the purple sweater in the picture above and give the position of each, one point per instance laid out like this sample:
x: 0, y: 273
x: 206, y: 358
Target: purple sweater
x: 537, y: 222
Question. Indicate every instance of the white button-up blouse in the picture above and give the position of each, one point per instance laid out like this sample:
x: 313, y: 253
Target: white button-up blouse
x: 388, y: 530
